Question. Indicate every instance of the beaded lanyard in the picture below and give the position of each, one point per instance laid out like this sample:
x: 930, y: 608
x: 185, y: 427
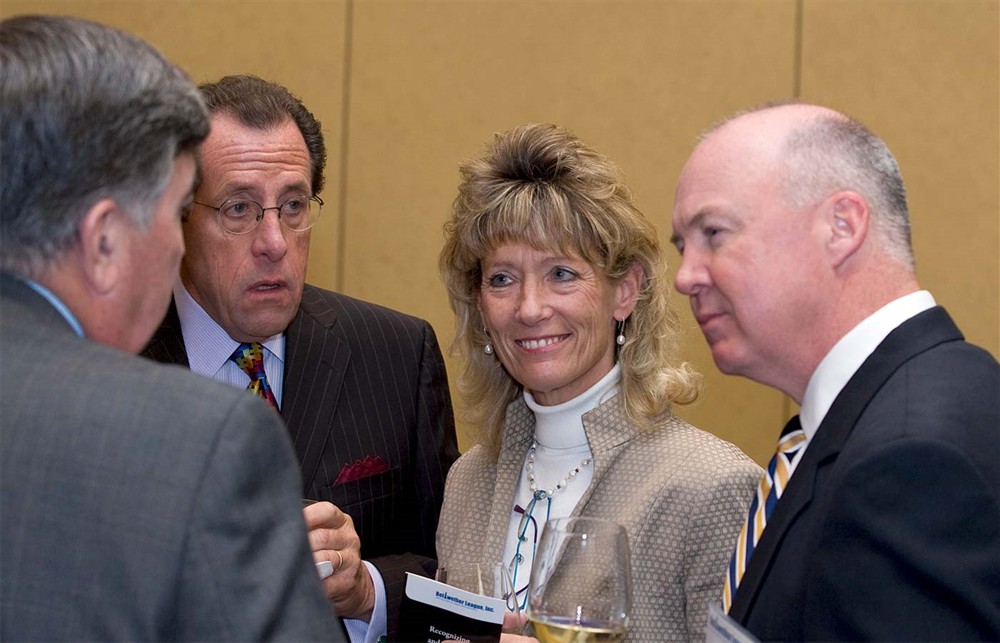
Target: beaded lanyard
x: 527, y: 516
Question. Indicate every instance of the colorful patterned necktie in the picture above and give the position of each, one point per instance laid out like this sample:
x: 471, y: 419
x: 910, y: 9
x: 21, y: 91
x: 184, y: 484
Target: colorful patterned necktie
x: 250, y: 359
x: 772, y: 485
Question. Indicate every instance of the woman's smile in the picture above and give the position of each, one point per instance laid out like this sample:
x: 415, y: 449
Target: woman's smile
x: 544, y: 342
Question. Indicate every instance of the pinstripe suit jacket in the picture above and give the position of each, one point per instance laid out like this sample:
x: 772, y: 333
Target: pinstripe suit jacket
x: 681, y: 493
x: 141, y: 502
x: 363, y: 381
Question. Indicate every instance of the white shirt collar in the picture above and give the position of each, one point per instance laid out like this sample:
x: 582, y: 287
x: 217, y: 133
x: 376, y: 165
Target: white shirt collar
x: 848, y: 354
x: 208, y: 346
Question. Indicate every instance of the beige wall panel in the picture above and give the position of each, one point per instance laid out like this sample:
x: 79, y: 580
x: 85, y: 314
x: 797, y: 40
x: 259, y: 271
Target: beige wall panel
x: 432, y: 81
x: 299, y: 43
x: 924, y: 75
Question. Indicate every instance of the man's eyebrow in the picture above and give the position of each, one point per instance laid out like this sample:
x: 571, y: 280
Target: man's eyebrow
x: 231, y: 187
x: 298, y: 186
x: 694, y: 222
x: 251, y: 188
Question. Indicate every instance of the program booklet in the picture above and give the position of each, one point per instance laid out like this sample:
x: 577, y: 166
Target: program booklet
x: 435, y: 612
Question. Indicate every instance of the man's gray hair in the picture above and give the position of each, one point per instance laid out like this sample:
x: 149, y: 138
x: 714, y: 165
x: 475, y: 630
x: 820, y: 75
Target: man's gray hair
x: 86, y: 112
x: 833, y: 152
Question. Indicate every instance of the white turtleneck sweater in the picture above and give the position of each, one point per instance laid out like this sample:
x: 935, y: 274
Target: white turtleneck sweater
x: 561, y: 447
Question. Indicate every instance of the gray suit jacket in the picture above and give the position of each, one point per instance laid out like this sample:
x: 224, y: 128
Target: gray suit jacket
x: 681, y: 493
x: 141, y: 502
x: 363, y: 383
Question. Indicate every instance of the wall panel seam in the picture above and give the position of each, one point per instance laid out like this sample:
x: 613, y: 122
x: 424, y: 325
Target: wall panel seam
x: 345, y: 138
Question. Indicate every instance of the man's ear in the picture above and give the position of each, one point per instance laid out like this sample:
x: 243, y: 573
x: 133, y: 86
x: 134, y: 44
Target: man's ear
x: 629, y: 287
x: 848, y: 217
x: 104, y: 234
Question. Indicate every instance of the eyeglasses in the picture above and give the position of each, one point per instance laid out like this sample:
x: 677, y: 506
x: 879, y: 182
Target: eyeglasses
x: 527, y: 520
x: 241, y: 216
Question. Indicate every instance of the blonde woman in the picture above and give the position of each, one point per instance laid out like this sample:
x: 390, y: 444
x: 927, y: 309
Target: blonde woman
x: 557, y: 283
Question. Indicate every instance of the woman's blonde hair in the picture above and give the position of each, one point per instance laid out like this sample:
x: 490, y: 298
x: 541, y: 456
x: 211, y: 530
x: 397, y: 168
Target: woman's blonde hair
x: 542, y: 186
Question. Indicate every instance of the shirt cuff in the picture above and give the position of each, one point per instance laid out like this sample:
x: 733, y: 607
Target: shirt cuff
x: 369, y: 632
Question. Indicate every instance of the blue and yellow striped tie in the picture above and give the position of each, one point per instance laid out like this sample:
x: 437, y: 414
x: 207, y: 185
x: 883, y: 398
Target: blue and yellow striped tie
x: 772, y: 485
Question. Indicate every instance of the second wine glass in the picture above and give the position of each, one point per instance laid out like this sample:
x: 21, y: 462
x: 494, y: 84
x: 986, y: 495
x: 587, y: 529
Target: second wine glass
x: 581, y: 582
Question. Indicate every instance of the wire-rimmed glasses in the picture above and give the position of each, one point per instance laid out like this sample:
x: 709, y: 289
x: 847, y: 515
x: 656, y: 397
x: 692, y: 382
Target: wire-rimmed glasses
x: 240, y: 216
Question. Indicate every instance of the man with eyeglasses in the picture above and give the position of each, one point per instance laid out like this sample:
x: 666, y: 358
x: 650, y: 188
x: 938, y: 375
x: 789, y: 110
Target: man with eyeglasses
x: 361, y: 388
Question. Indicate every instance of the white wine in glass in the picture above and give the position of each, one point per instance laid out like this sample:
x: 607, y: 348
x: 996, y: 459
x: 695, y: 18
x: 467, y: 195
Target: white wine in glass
x: 554, y: 631
x: 581, y: 582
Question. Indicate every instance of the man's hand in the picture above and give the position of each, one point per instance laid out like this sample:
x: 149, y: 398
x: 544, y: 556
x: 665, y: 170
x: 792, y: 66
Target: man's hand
x: 333, y: 538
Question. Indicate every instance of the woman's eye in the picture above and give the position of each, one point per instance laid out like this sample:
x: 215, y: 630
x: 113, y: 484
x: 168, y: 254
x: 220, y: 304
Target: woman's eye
x: 563, y: 274
x: 497, y: 280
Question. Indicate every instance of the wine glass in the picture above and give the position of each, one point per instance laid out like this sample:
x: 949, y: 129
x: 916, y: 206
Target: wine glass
x: 581, y: 582
x: 486, y: 579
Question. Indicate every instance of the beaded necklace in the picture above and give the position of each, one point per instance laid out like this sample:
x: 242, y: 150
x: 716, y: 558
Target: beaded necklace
x: 527, y: 513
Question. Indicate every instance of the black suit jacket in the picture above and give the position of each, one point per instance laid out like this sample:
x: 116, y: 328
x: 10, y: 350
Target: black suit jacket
x: 890, y: 527
x: 363, y: 381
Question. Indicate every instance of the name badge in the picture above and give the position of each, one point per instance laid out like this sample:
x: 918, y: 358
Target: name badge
x: 721, y: 628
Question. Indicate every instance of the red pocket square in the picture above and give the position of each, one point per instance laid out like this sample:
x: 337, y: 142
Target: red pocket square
x: 362, y: 469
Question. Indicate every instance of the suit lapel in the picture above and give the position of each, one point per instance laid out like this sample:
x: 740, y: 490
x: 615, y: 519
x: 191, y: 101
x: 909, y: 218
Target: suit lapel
x: 167, y: 345
x: 517, y: 435
x: 607, y: 429
x: 794, y: 501
x: 916, y: 335
x: 316, y: 361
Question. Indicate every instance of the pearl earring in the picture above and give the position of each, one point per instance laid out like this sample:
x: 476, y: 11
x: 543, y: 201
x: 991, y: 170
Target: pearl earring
x: 620, y: 328
x: 488, y: 349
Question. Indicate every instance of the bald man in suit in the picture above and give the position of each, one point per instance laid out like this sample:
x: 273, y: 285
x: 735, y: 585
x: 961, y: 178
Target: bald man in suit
x: 794, y: 232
